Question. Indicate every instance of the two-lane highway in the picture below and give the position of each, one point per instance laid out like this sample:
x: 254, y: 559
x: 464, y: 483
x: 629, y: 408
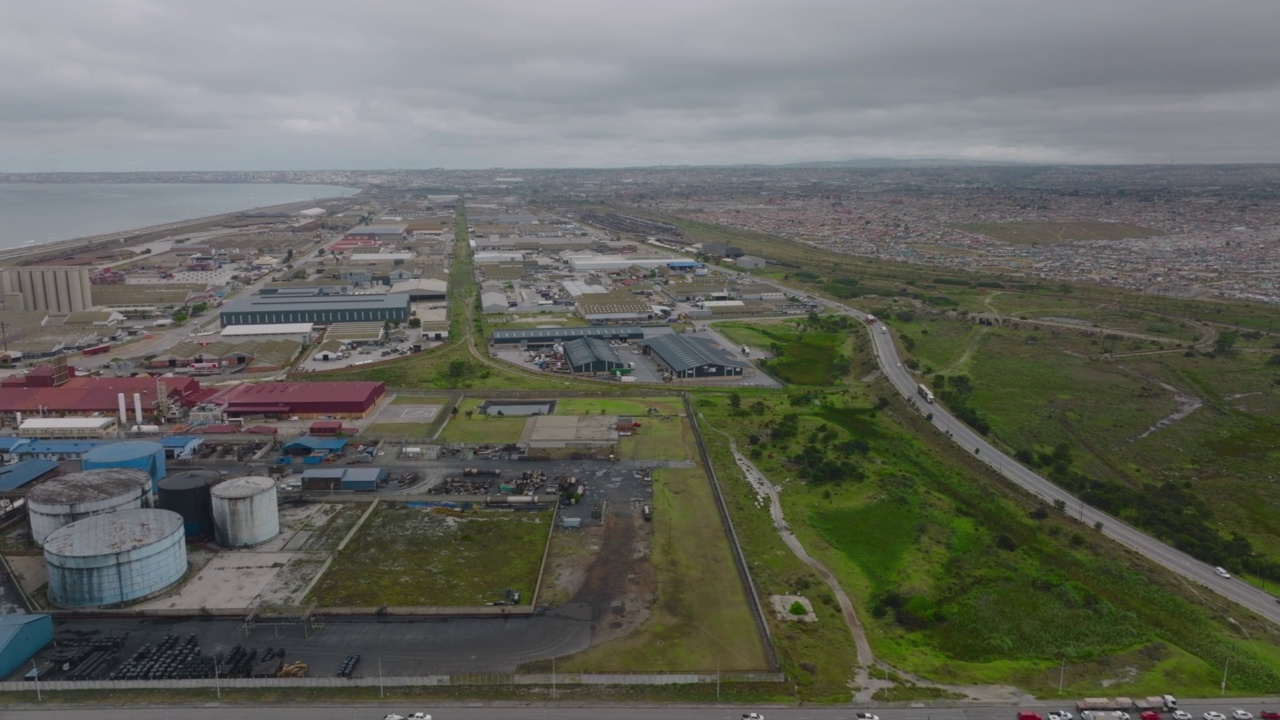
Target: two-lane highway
x: 1172, y: 559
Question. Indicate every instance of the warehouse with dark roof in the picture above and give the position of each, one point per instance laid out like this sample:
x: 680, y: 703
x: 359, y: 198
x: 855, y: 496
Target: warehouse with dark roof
x: 591, y: 355
x: 542, y: 337
x: 691, y: 357
x: 320, y: 309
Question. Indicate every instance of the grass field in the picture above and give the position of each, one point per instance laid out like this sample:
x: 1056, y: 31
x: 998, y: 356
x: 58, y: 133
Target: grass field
x: 481, y: 428
x: 701, y: 620
x: 1032, y: 233
x: 802, y: 358
x: 396, y: 559
x: 956, y: 583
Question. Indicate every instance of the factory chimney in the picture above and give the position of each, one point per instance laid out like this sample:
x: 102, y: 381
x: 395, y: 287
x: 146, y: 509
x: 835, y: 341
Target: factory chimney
x: 137, y: 408
x: 124, y: 411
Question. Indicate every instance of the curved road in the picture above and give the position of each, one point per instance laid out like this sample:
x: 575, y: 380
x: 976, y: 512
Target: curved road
x: 1175, y: 561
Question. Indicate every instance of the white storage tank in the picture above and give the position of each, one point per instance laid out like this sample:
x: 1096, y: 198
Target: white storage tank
x: 75, y: 496
x: 116, y: 558
x: 245, y: 511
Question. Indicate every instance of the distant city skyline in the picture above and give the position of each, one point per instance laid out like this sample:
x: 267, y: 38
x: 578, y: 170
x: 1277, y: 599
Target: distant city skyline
x: 162, y: 85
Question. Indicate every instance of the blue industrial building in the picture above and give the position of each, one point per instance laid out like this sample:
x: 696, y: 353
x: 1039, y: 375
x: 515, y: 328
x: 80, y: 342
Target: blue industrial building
x: 320, y: 309
x: 21, y: 637
x: 310, y: 444
x: 143, y: 455
x: 181, y: 447
x: 57, y: 449
x: 24, y: 472
x: 540, y: 337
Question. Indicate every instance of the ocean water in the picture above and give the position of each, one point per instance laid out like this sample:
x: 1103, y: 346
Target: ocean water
x: 39, y: 213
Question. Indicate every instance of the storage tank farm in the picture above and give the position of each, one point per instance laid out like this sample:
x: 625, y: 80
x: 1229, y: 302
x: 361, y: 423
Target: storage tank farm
x: 245, y: 512
x: 115, y: 558
x: 141, y: 455
x: 76, y: 496
x: 187, y: 493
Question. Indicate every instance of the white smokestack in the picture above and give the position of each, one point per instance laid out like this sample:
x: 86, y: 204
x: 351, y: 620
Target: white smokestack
x: 18, y: 417
x: 137, y: 408
x: 124, y: 410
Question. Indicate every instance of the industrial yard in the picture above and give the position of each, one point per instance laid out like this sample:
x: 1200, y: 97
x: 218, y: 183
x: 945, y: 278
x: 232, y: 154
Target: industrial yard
x: 309, y: 533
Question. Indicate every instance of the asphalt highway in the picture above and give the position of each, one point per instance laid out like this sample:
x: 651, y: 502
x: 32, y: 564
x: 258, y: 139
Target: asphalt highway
x: 1175, y: 561
x: 553, y: 712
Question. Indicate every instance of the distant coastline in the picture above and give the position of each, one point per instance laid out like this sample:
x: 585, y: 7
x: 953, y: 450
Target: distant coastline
x: 44, y: 217
x: 129, y: 235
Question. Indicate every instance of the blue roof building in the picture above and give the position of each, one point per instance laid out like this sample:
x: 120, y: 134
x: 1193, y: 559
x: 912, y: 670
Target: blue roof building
x: 58, y: 449
x: 310, y: 444
x: 181, y: 447
x: 23, y: 472
x: 21, y: 637
x: 8, y: 443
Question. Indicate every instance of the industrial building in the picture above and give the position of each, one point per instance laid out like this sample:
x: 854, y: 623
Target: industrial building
x: 53, y: 289
x: 347, y: 479
x: 245, y: 511
x: 46, y: 393
x: 421, y: 289
x: 591, y: 355
x: 67, y: 427
x: 377, y: 233
x: 543, y: 337
x: 603, y: 263
x: 116, y: 558
x: 750, y: 262
x: 143, y: 455
x: 21, y: 637
x: 691, y: 357
x: 66, y: 499
x: 16, y: 476
x: 493, y: 303
x: 325, y: 309
x: 303, y: 400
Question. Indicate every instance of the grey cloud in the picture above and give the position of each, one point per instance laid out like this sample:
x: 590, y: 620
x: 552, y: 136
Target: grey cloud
x: 244, y: 84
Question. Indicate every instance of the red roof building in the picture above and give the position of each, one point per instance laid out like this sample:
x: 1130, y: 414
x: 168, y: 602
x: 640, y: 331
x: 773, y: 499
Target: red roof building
x: 303, y: 400
x: 88, y: 395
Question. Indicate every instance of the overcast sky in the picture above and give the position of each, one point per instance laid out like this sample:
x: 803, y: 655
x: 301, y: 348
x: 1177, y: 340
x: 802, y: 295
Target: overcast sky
x: 286, y: 84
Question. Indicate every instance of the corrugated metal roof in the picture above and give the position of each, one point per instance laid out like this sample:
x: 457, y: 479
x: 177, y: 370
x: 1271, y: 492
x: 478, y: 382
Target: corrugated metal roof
x: 58, y: 447
x: 18, y: 474
x: 309, y: 442
x: 686, y: 353
x: 621, y: 332
x: 114, y: 532
x: 121, y: 451
x: 585, y: 351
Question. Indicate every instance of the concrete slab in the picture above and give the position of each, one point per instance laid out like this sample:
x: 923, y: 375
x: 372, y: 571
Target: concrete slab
x: 230, y: 580
x: 569, y: 430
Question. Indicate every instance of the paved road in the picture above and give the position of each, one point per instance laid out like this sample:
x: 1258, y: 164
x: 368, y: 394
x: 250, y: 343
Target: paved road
x: 544, y: 712
x: 1171, y: 559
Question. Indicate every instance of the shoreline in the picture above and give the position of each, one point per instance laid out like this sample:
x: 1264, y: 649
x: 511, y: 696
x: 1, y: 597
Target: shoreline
x: 123, y: 237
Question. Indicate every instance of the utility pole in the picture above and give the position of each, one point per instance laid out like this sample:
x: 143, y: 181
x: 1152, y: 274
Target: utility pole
x: 1062, y: 674
x: 37, y: 669
x: 217, y: 686
x: 380, y: 691
x: 1225, y: 663
x: 553, y: 678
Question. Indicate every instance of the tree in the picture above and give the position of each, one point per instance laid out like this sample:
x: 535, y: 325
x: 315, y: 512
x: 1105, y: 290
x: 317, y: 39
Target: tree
x: 1225, y: 343
x: 735, y: 401
x: 415, y: 322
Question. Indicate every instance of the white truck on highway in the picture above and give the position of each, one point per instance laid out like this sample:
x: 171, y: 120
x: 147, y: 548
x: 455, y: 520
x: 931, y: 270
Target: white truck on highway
x: 925, y: 393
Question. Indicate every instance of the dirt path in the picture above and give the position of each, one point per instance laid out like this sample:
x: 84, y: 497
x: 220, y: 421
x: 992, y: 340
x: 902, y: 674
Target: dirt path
x: 1184, y: 405
x: 865, y: 674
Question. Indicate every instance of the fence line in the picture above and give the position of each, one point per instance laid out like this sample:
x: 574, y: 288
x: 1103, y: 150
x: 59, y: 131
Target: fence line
x: 744, y: 573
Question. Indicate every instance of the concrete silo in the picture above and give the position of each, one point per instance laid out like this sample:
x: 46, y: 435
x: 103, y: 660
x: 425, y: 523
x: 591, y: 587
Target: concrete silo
x: 115, y: 558
x: 141, y: 455
x: 187, y: 493
x: 245, y: 512
x: 75, y: 496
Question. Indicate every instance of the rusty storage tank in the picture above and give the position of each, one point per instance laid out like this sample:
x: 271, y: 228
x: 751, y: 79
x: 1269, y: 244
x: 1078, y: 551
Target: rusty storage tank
x: 75, y: 496
x: 245, y: 511
x: 115, y: 558
x: 187, y: 493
